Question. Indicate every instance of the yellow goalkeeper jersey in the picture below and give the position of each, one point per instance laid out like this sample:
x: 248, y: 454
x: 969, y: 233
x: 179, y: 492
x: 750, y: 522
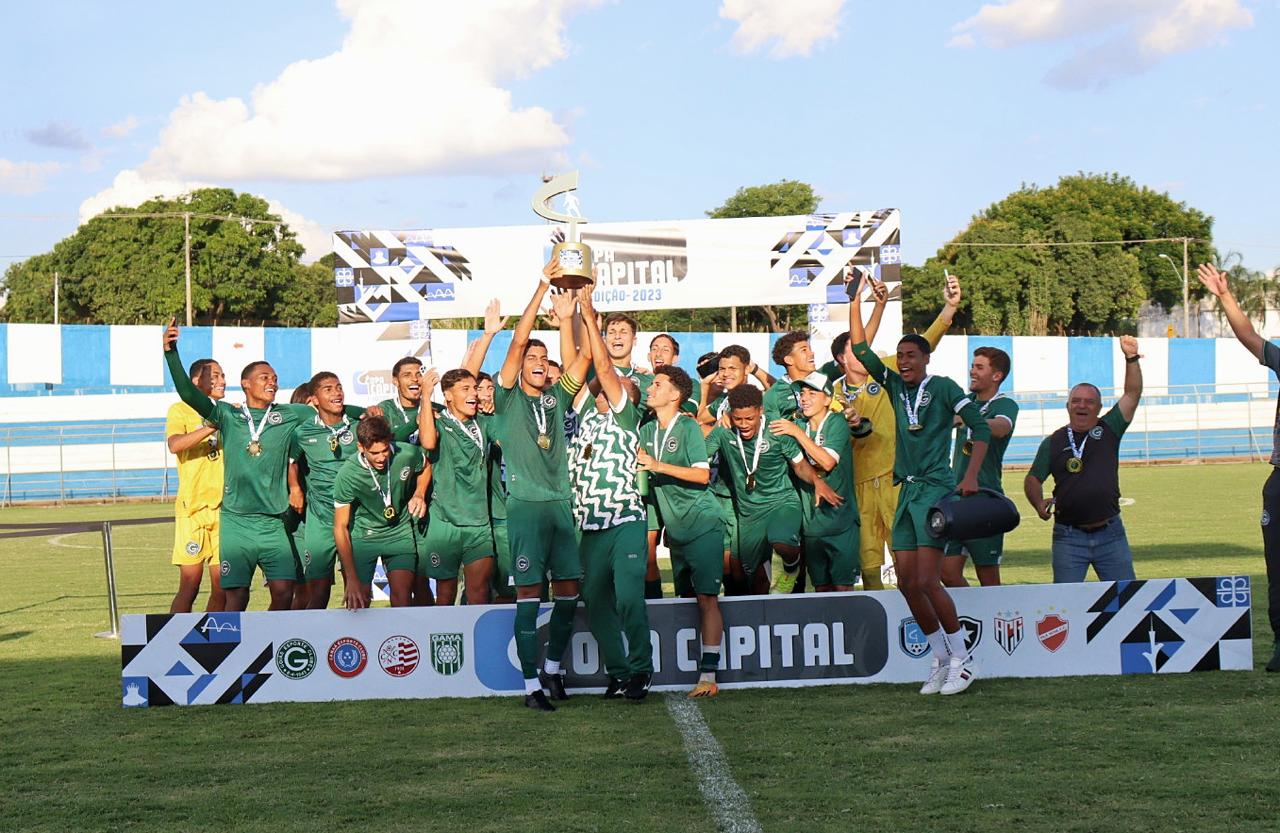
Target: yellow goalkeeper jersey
x: 199, y: 467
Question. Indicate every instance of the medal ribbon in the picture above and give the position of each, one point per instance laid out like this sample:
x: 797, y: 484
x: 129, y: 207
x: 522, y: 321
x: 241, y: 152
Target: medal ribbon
x: 658, y: 445
x: 1078, y: 453
x: 255, y: 431
x: 913, y: 411
x: 386, y: 496
x: 341, y: 427
x: 540, y: 416
x: 755, y: 459
x: 982, y: 410
x: 471, y: 428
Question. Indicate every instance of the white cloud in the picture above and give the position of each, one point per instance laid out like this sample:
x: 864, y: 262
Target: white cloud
x: 25, y: 177
x: 122, y: 128
x: 1110, y: 38
x: 793, y: 28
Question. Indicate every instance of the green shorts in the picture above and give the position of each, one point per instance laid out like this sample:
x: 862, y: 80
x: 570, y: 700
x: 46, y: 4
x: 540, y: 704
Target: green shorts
x: 396, y: 550
x: 697, y: 565
x: 653, y: 523
x: 985, y: 552
x: 730, y: 525
x: 911, y: 522
x: 544, y: 538
x: 319, y: 552
x: 446, y: 548
x: 501, y: 581
x: 778, y: 524
x: 830, y: 559
x: 255, y: 541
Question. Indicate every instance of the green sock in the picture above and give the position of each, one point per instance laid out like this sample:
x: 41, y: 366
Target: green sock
x: 561, y: 626
x: 653, y: 588
x: 527, y: 637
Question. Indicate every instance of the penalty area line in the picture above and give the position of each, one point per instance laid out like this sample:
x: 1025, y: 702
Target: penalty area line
x: 723, y: 796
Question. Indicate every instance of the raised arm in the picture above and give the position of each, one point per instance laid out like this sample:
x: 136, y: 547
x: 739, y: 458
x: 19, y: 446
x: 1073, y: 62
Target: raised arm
x: 509, y: 376
x: 880, y: 294
x: 980, y: 434
x: 574, y: 361
x: 605, y: 372
x: 951, y: 296
x: 494, y: 321
x: 1216, y: 282
x: 1128, y: 403
x: 861, y: 349
x: 187, y: 391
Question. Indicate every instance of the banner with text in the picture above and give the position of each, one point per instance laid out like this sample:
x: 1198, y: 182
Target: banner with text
x: 1139, y: 627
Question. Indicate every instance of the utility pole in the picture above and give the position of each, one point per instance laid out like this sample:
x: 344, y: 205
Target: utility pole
x: 1186, y: 310
x: 186, y: 224
x: 55, y: 297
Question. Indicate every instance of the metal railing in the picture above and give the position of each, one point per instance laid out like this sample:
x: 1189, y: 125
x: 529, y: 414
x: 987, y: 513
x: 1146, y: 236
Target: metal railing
x: 128, y: 458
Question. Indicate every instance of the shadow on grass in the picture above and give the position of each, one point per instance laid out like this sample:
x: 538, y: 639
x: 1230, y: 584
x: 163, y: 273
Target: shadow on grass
x: 98, y: 597
x: 1160, y: 552
x: 10, y: 637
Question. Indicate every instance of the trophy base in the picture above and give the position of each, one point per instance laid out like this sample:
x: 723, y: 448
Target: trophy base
x: 575, y: 263
x: 572, y: 282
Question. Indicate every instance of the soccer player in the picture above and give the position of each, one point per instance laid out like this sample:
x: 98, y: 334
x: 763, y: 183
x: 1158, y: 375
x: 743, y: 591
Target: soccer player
x: 620, y: 338
x: 553, y: 372
x: 826, y: 438
x: 989, y: 369
x: 794, y: 354
x: 611, y: 513
x: 1083, y: 457
x: 664, y: 350
x: 673, y: 454
x: 194, y: 441
x: 924, y: 407
x: 484, y: 393
x: 539, y: 512
x: 862, y: 397
x: 402, y: 409
x: 1267, y: 354
x: 375, y: 499
x: 759, y: 469
x: 732, y: 369
x: 257, y: 439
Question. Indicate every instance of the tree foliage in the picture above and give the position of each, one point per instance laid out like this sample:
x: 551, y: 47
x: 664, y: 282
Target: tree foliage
x: 779, y: 199
x: 1064, y: 289
x: 127, y: 270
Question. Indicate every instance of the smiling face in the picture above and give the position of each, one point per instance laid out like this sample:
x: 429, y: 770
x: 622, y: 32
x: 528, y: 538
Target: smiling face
x: 800, y: 359
x: 983, y: 378
x: 533, y: 370
x: 327, y: 396
x: 1083, y: 406
x: 814, y: 403
x: 463, y: 398
x: 408, y: 383
x: 377, y: 455
x: 211, y: 381
x: 746, y: 421
x: 484, y: 396
x: 912, y: 362
x: 732, y: 372
x: 619, y: 339
x: 661, y: 353
x: 662, y: 393
x: 260, y: 385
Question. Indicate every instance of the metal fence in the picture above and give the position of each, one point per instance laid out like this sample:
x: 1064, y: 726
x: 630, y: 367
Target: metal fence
x: 113, y: 460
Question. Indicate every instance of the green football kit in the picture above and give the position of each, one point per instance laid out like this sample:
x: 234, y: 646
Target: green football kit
x: 831, y: 533
x: 764, y: 494
x: 321, y: 451
x: 380, y: 524
x: 460, y: 532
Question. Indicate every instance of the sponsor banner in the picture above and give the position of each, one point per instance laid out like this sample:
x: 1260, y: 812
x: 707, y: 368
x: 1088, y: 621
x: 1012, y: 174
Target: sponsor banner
x: 1138, y: 627
x: 387, y: 276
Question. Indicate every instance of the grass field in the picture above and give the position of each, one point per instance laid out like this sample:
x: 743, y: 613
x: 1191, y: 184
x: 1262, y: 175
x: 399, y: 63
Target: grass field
x: 1182, y: 752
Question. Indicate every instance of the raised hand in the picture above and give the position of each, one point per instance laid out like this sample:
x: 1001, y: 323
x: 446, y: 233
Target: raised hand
x: 778, y: 427
x: 951, y: 293
x: 170, y: 338
x: 879, y: 292
x: 563, y: 305
x: 1214, y: 280
x: 430, y: 378
x: 1128, y: 346
x: 552, y: 271
x: 494, y: 320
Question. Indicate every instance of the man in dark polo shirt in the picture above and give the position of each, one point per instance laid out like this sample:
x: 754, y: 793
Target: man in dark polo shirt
x: 1269, y: 355
x: 1084, y: 458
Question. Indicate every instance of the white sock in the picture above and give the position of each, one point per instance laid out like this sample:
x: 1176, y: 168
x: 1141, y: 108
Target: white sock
x: 551, y: 666
x: 707, y: 677
x: 938, y: 642
x: 530, y: 686
x: 955, y: 642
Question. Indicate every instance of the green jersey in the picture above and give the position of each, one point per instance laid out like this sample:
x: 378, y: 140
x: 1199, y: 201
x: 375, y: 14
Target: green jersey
x: 253, y: 483
x: 642, y: 380
x: 833, y: 435
x: 371, y: 493
x: 782, y: 400
x: 533, y: 443
x: 758, y: 469
x: 460, y: 470
x: 689, y: 510
x: 602, y: 465
x: 321, y: 451
x: 924, y: 455
x: 991, y: 475
x: 497, y: 476
x: 403, y: 421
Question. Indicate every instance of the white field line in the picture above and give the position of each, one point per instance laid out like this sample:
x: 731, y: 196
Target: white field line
x: 723, y: 796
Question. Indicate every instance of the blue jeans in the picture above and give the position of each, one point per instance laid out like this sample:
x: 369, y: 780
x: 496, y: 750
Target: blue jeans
x: 1106, y: 548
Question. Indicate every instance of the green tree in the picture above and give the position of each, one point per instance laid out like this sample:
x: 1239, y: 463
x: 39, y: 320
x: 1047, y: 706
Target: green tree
x: 779, y: 199
x: 130, y: 269
x: 309, y: 299
x: 1062, y: 288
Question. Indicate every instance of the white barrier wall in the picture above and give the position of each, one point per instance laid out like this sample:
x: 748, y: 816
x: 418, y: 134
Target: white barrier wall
x: 1140, y: 627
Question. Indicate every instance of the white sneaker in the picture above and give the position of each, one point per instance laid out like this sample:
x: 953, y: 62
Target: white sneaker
x: 937, y: 676
x: 959, y: 675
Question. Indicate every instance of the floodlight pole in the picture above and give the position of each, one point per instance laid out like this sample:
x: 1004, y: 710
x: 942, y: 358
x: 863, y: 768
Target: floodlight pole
x: 186, y: 225
x: 55, y: 297
x: 113, y: 609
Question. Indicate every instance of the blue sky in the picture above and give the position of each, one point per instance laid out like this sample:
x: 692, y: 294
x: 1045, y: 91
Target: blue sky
x: 394, y: 113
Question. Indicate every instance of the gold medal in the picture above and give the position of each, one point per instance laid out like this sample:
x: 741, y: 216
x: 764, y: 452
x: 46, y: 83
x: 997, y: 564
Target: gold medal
x: 967, y: 448
x: 254, y: 448
x: 544, y: 442
x: 333, y: 443
x: 1075, y: 465
x: 389, y: 513
x: 751, y: 482
x: 915, y: 427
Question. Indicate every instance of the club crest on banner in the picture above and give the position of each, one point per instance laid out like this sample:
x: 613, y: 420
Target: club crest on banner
x: 1052, y: 631
x: 446, y: 653
x: 1009, y: 631
x: 398, y: 656
x: 911, y: 638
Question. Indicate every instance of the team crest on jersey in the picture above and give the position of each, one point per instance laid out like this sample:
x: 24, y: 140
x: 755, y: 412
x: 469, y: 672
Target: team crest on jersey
x: 346, y: 438
x: 193, y: 548
x: 435, y: 559
x: 872, y: 389
x: 522, y: 564
x: 1096, y: 432
x: 548, y: 401
x: 925, y: 399
x: 673, y: 445
x: 225, y: 569
x: 404, y: 473
x: 275, y: 418
x: 306, y: 558
x: 764, y: 445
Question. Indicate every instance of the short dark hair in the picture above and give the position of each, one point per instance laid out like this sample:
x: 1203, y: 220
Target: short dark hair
x: 532, y: 343
x: 554, y: 364
x: 678, y: 378
x: 745, y: 396
x: 1086, y: 385
x: 453, y: 377
x: 783, y: 346
x: 615, y: 317
x: 837, y: 346
x: 373, y: 430
x: 998, y: 358
x: 395, y: 370
x: 918, y: 340
x: 197, y: 368
x: 248, y: 368
x: 675, y: 345
x: 483, y: 377
x: 737, y: 351
x: 320, y: 377
x: 301, y: 394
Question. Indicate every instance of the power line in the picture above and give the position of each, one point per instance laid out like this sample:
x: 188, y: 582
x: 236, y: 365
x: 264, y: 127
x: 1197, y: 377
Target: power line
x: 1079, y: 243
